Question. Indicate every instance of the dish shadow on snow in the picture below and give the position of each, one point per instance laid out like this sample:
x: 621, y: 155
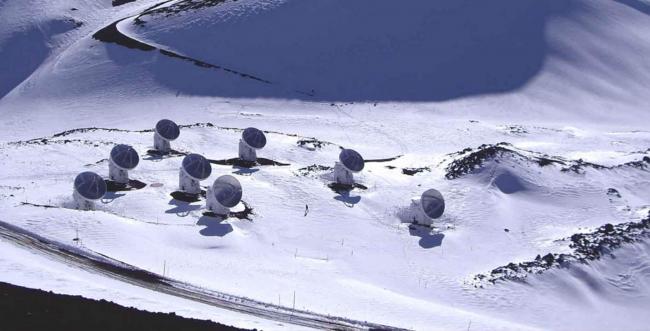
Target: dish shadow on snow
x: 110, y: 196
x: 424, y: 51
x: 181, y: 208
x: 214, y: 227
x: 243, y: 171
x: 428, y: 239
x: 347, y: 199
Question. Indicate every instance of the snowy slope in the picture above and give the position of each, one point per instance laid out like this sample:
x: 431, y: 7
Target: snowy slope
x: 22, y: 267
x: 412, y: 85
x: 357, y: 252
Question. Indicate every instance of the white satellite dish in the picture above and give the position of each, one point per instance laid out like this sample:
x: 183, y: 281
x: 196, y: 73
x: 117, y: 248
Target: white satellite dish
x: 225, y: 193
x: 432, y: 203
x: 350, y: 162
x: 425, y: 209
x: 194, y: 169
x: 252, y: 139
x: 122, y: 159
x: 165, y: 131
x: 88, y: 187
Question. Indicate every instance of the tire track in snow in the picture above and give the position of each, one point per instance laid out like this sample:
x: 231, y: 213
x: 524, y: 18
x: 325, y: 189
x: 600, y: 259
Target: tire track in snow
x: 108, y: 267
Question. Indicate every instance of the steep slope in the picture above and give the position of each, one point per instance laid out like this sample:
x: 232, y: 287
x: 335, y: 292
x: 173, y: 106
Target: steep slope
x: 365, y: 50
x: 565, y: 60
x: 504, y: 205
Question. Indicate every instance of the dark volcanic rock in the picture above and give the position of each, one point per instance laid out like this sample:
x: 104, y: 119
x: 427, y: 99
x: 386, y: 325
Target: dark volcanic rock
x: 112, y: 186
x: 242, y: 215
x: 311, y: 143
x: 343, y: 188
x: 121, y: 2
x: 171, y: 153
x: 388, y: 159
x: 516, y: 129
x: 248, y: 164
x: 579, y: 165
x: 470, y: 160
x: 613, y: 192
x: 474, y: 160
x: 110, y: 34
x: 312, y: 169
x: 413, y: 171
x: 37, y: 205
x: 642, y: 164
x: 187, y: 197
x: 179, y: 7
x: 586, y: 247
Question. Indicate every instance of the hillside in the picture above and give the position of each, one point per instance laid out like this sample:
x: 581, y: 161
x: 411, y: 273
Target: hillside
x: 529, y: 117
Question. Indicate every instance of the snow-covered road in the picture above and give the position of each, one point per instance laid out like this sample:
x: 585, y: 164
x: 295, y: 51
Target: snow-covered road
x: 104, y: 265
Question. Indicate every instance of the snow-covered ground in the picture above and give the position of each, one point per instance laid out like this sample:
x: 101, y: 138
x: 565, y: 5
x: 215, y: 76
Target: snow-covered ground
x: 24, y: 268
x: 415, y: 84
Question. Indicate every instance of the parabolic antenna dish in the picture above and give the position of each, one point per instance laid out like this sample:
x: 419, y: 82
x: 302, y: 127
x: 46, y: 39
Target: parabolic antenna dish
x: 125, y: 157
x: 227, y: 190
x: 351, y: 160
x: 90, y: 185
x: 167, y: 129
x: 433, y: 204
x: 197, y: 167
x: 254, y: 138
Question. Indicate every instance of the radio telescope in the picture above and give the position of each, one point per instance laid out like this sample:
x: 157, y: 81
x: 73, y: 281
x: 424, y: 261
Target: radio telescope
x: 224, y: 194
x: 166, y: 131
x: 251, y: 140
x: 123, y: 158
x: 430, y: 206
x: 88, y: 188
x: 350, y: 162
x: 194, y: 169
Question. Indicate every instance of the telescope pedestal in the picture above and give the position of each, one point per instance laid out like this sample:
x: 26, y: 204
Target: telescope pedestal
x: 214, y: 206
x: 246, y: 152
x: 117, y: 174
x: 160, y: 144
x: 416, y: 215
x: 188, y: 184
x: 81, y: 203
x: 342, y: 175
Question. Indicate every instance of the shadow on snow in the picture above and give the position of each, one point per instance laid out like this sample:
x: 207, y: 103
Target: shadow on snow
x: 423, y: 51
